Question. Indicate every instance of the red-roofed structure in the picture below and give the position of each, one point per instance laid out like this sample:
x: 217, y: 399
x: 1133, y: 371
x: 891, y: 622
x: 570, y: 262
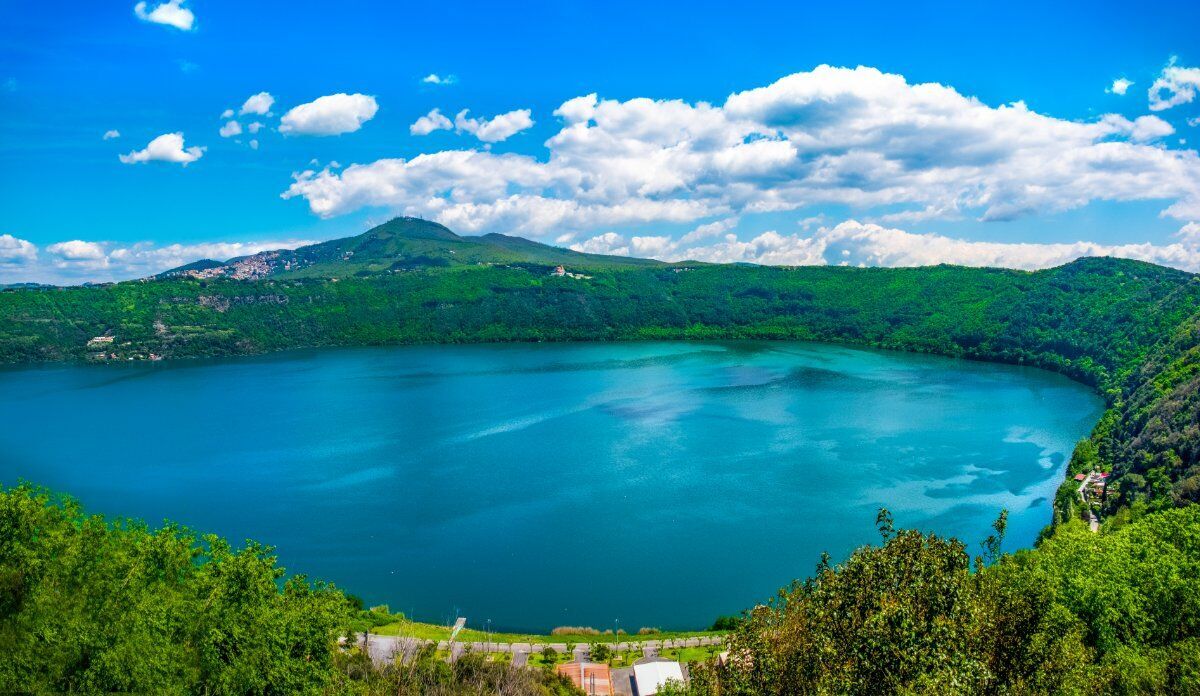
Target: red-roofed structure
x: 595, y: 679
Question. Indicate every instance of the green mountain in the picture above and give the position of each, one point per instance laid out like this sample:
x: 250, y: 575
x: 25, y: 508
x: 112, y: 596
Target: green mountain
x: 401, y: 244
x: 195, y: 266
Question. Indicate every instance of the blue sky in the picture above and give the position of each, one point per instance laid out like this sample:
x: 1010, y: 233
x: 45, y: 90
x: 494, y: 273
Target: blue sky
x: 913, y: 159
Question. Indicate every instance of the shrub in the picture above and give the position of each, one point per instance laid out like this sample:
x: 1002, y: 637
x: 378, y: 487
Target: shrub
x: 574, y: 631
x: 89, y: 605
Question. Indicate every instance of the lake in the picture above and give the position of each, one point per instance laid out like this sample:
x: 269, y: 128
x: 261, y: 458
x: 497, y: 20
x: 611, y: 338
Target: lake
x: 654, y: 484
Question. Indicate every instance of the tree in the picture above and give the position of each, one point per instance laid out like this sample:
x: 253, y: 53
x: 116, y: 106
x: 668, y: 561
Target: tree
x: 92, y: 605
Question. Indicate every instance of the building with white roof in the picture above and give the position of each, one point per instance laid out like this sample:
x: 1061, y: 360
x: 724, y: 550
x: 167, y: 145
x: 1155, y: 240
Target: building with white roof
x: 649, y: 677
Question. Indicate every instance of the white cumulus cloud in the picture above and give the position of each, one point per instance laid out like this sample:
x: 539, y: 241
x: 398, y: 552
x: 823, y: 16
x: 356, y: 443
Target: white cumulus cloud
x: 435, y: 79
x: 1176, y: 85
x: 167, y: 147
x: 257, y: 104
x: 230, y: 129
x: 430, y: 122
x: 78, y: 260
x: 171, y: 13
x: 145, y: 258
x: 1147, y: 128
x: 608, y: 243
x: 854, y: 243
x: 77, y: 250
x: 1141, y: 129
x: 1120, y: 86
x: 853, y: 137
x: 330, y: 115
x: 706, y: 231
x: 578, y: 110
x: 495, y: 129
x: 111, y: 134
x: 16, y: 252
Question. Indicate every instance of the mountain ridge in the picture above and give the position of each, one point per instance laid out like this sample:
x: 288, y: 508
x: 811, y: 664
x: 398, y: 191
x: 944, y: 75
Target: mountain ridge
x: 402, y: 243
x: 410, y: 243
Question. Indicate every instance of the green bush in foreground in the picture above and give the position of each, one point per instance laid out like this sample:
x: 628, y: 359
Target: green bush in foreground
x: 89, y: 605
x: 1083, y: 613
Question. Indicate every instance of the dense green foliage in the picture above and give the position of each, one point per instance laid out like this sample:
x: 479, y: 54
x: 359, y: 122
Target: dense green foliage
x: 1153, y: 436
x: 1084, y: 613
x: 88, y: 605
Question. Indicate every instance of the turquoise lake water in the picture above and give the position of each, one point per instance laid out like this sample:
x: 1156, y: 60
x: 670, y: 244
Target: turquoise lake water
x: 654, y: 484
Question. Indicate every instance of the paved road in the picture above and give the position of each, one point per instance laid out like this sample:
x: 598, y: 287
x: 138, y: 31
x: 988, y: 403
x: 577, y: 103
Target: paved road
x: 1093, y: 477
x: 622, y: 682
x: 387, y: 648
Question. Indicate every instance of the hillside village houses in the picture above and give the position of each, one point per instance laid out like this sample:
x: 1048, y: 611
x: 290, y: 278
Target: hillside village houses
x: 1092, y: 485
x: 561, y: 271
